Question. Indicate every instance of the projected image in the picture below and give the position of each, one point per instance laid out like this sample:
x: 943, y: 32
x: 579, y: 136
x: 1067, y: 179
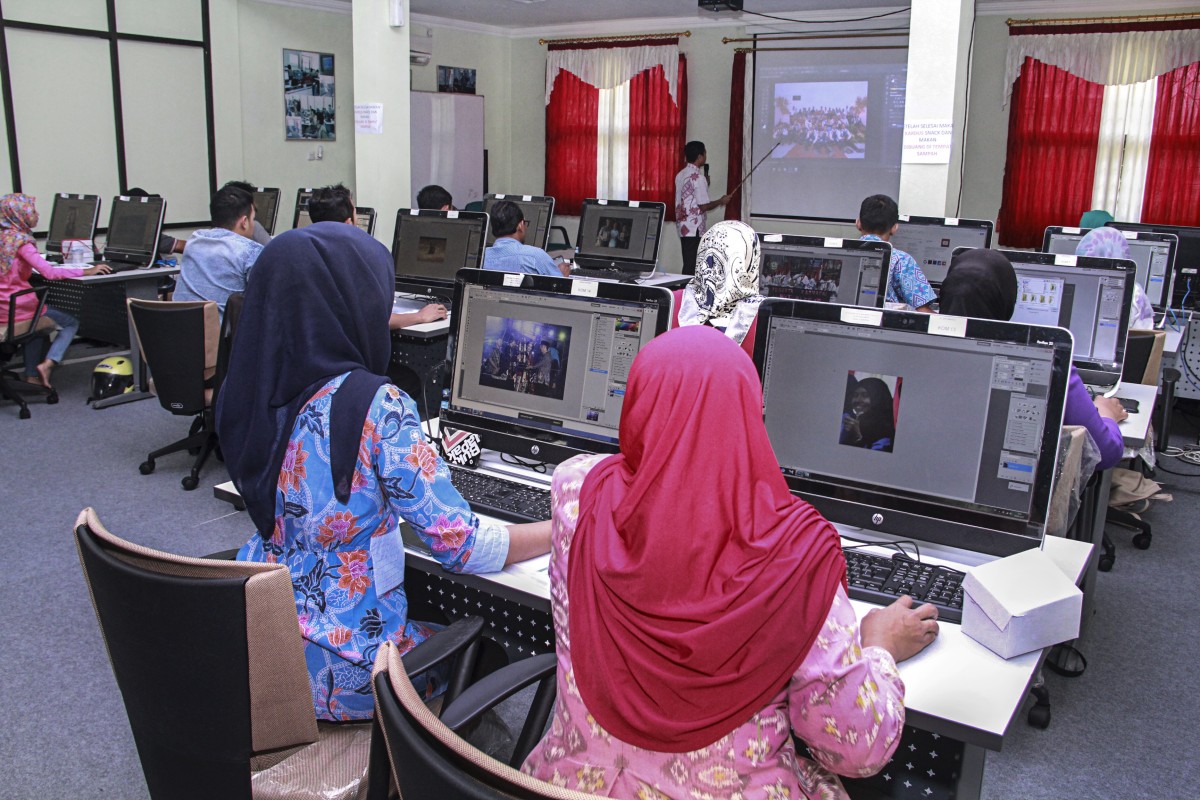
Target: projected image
x: 821, y: 120
x: 525, y: 356
x: 431, y: 249
x: 871, y: 411
x: 801, y: 277
x: 614, y: 232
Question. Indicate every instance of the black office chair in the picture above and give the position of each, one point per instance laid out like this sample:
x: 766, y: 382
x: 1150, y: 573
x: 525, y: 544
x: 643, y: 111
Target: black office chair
x: 13, y: 340
x: 180, y: 343
x: 428, y: 758
x: 559, y: 244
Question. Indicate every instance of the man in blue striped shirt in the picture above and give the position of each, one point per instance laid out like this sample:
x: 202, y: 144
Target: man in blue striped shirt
x: 510, y: 253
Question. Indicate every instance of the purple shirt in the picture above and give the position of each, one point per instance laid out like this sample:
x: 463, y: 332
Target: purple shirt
x: 1081, y: 410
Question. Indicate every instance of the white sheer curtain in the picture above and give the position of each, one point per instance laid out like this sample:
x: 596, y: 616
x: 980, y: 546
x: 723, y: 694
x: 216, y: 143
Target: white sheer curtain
x: 612, y: 143
x: 608, y: 68
x: 1123, y: 156
x: 1108, y: 58
x: 747, y: 138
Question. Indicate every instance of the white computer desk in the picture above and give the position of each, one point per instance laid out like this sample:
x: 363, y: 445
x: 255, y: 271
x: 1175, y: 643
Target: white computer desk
x: 1136, y: 427
x: 139, y: 284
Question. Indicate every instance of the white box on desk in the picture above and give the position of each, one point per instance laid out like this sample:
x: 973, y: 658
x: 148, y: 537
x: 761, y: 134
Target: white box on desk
x: 1021, y: 603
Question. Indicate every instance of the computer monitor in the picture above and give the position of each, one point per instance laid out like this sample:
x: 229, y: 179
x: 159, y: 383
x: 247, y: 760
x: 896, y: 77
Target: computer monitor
x: 430, y: 247
x: 932, y: 240
x: 73, y: 216
x: 620, y: 235
x: 301, y: 219
x: 1187, y: 258
x: 364, y: 218
x: 1154, y: 254
x: 538, y: 212
x: 266, y: 207
x: 134, y: 225
x: 849, y: 271
x: 962, y: 452
x: 540, y: 365
x: 1090, y: 297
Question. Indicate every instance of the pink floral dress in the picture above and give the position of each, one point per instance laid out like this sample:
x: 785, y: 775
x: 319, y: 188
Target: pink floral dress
x: 345, y: 615
x: 844, y: 701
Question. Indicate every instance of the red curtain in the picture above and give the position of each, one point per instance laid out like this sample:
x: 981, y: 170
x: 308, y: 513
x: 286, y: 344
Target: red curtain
x: 1053, y: 136
x: 572, y: 117
x: 1173, y: 175
x: 737, y: 114
x: 656, y: 136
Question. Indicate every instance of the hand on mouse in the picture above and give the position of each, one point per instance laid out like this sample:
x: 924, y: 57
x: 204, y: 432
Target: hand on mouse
x: 1110, y: 407
x: 899, y: 628
x: 98, y: 269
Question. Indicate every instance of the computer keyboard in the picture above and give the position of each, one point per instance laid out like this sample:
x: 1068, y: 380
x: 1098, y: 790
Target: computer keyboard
x: 499, y: 497
x: 880, y: 580
x: 607, y: 273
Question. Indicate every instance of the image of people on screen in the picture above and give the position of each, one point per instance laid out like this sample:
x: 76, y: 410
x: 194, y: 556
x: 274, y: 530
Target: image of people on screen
x: 525, y: 356
x: 801, y: 277
x: 614, y: 233
x: 431, y: 249
x: 871, y: 411
x: 821, y: 120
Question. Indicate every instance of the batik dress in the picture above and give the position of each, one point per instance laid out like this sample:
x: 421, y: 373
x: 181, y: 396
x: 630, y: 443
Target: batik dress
x: 845, y: 701
x: 345, y: 611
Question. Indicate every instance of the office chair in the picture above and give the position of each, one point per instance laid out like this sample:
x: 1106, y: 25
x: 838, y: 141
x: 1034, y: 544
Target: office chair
x: 434, y: 760
x: 558, y: 244
x: 1143, y: 359
x: 13, y: 339
x: 179, y: 342
x: 210, y: 663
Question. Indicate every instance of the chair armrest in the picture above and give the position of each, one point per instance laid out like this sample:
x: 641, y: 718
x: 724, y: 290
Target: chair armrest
x: 461, y: 641
x: 499, y: 686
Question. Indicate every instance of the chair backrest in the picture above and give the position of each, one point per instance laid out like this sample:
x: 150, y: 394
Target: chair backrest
x: 436, y: 761
x: 1143, y: 356
x: 208, y: 657
x: 14, y: 334
x: 179, y: 341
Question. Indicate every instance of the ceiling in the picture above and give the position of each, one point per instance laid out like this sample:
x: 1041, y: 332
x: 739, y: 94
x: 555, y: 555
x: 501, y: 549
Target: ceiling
x: 519, y: 18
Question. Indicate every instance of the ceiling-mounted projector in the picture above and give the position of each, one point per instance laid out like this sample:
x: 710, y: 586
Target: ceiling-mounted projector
x: 720, y: 5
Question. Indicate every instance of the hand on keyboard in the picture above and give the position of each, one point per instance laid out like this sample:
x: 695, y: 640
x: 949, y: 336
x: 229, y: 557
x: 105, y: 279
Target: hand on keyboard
x: 899, y: 628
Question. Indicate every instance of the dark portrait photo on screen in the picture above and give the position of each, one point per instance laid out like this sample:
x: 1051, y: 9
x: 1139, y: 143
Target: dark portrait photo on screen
x: 870, y: 411
x: 525, y: 356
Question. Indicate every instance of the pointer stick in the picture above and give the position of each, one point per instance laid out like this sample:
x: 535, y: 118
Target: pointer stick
x: 756, y: 166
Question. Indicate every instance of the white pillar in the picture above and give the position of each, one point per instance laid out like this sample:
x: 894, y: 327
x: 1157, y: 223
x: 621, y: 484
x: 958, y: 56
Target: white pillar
x: 938, y: 40
x: 381, y: 75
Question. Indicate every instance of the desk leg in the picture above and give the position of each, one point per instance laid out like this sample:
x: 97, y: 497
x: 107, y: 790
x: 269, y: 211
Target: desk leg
x: 970, y: 781
x: 139, y: 289
x: 1098, y: 511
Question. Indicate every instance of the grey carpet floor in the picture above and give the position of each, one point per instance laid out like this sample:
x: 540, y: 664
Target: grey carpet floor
x: 1124, y: 729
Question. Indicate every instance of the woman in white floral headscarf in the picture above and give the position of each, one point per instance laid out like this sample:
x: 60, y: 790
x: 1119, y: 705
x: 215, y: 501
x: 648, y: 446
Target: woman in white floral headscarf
x: 724, y: 292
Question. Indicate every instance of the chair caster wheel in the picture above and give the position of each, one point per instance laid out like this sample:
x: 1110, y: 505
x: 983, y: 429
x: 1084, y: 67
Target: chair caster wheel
x: 190, y: 482
x: 52, y: 398
x: 1106, y: 563
x: 1039, y: 717
x: 146, y: 467
x: 24, y: 413
x: 1142, y: 541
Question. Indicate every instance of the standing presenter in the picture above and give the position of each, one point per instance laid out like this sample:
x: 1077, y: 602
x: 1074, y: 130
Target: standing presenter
x: 692, y: 204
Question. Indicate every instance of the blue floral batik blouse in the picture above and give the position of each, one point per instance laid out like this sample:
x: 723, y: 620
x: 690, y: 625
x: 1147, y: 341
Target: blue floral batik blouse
x: 346, y: 560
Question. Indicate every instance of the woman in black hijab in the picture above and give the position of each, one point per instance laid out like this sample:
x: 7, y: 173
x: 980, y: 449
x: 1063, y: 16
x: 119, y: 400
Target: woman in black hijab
x: 329, y: 457
x: 980, y: 283
x: 868, y: 420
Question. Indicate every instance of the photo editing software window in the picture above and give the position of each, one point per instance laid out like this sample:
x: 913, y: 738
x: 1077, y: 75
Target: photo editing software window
x: 437, y: 247
x: 73, y: 217
x: 1152, y: 259
x: 1087, y: 302
x: 620, y: 231
x: 303, y: 220
x: 551, y: 361
x: 956, y: 422
x: 931, y: 246
x: 824, y: 274
x: 133, y: 226
x: 362, y: 219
